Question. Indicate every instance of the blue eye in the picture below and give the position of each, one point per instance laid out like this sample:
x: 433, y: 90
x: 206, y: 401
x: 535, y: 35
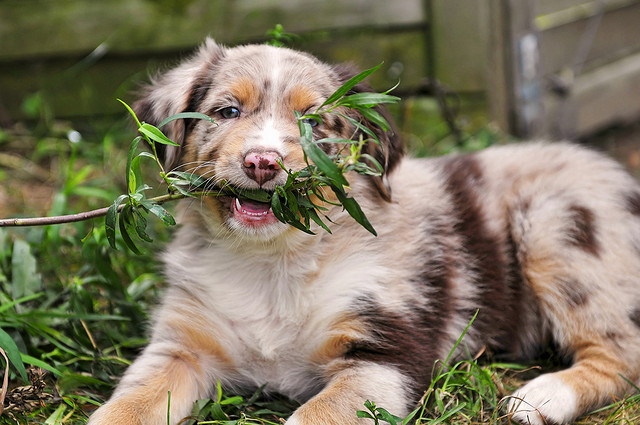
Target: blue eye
x: 311, y: 121
x: 229, y: 112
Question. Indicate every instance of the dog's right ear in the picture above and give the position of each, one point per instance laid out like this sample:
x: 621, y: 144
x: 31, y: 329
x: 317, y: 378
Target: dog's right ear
x: 181, y: 89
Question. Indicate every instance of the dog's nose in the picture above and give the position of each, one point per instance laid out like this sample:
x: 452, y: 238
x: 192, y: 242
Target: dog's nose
x: 261, y: 166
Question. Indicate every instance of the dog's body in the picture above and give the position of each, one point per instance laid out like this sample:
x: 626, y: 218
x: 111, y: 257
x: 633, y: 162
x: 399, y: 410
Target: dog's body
x: 543, y: 240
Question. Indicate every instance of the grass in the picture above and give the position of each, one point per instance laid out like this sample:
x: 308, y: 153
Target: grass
x: 76, y: 310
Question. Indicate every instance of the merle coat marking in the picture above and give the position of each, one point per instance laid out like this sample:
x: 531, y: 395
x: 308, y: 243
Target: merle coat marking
x: 543, y: 239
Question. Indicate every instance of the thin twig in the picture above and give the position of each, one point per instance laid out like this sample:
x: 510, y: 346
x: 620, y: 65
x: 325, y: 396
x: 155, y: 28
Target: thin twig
x: 5, y: 383
x: 83, y: 216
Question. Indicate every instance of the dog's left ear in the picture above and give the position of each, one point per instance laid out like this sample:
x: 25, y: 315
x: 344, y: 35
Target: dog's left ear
x: 391, y: 149
x: 180, y: 89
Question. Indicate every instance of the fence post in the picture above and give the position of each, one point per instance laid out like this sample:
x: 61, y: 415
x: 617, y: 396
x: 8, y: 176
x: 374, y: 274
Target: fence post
x: 515, y: 86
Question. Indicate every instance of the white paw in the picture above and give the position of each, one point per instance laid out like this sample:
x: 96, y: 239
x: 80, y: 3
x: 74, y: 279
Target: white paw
x: 544, y: 401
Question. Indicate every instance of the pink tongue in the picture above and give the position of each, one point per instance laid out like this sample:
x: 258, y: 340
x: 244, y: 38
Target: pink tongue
x: 254, y: 207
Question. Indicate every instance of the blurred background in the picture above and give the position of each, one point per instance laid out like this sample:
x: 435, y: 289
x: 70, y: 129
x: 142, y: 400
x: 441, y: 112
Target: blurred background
x: 526, y: 68
x: 471, y: 72
x: 564, y: 68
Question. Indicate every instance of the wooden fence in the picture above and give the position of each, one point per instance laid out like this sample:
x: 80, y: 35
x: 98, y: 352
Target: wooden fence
x: 565, y: 67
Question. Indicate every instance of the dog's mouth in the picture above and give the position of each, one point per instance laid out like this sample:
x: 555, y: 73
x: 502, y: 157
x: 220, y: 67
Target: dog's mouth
x: 249, y: 208
x: 252, y: 213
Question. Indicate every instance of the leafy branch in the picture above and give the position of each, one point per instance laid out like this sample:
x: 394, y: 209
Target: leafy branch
x: 300, y: 201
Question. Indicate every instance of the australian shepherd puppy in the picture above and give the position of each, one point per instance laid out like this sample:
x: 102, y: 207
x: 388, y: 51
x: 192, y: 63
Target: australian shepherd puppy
x: 542, y: 239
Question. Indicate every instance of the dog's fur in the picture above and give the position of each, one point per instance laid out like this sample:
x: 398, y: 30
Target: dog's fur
x: 542, y: 239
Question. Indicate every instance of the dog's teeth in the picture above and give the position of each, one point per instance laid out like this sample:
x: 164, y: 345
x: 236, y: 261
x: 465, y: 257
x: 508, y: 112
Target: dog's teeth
x: 238, y: 205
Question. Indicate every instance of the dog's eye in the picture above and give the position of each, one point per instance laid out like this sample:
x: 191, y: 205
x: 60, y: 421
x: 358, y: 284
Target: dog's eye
x: 229, y: 112
x: 312, y: 122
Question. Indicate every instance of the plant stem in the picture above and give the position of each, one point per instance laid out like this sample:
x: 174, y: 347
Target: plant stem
x: 83, y: 216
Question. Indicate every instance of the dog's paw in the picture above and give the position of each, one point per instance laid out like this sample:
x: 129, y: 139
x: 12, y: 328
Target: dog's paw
x: 544, y: 401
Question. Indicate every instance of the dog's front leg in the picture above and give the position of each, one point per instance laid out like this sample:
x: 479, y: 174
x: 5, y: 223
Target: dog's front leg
x: 142, y: 397
x: 347, y: 391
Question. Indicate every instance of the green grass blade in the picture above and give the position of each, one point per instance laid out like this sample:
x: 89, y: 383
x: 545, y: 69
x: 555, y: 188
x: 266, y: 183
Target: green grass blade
x: 39, y: 363
x: 13, y: 353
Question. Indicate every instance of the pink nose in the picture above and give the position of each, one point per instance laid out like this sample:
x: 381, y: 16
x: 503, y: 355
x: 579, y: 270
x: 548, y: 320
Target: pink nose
x: 261, y: 166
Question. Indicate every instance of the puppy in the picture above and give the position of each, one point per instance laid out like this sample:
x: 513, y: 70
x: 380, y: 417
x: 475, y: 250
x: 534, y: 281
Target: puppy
x: 542, y: 239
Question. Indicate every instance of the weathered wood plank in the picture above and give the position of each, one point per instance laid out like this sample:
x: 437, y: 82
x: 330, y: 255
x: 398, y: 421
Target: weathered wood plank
x: 39, y: 28
x: 73, y: 90
x: 555, y: 13
x: 619, y: 33
x: 461, y: 38
x: 603, y: 97
x: 31, y: 28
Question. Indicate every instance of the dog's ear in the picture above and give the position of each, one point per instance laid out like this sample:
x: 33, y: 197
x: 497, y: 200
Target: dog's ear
x: 181, y: 89
x: 391, y: 149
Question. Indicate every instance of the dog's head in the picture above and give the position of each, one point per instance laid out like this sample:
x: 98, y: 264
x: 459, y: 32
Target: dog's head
x: 252, y: 92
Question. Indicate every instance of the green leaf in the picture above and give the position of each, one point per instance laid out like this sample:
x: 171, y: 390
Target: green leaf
x: 12, y: 352
x: 344, y: 89
x: 25, y: 279
x: 365, y: 415
x: 141, y: 226
x: 314, y: 216
x: 319, y: 157
x: 133, y: 114
x: 131, y: 174
x: 387, y: 417
x: 162, y: 214
x: 111, y: 220
x: 292, y: 204
x: 232, y: 400
x: 194, y: 180
x: 127, y: 229
x: 354, y: 210
x: 325, y: 164
x: 156, y: 135
x: 183, y: 115
x: 276, y: 207
x: 253, y: 195
x: 362, y: 127
x: 376, y: 118
x: 367, y: 100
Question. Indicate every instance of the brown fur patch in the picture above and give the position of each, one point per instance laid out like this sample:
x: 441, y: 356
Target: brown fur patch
x: 495, y: 262
x: 148, y: 401
x: 301, y: 98
x: 337, y: 404
x: 596, y: 372
x: 582, y: 232
x: 398, y: 340
x: 246, y: 92
x: 635, y: 317
x: 574, y: 293
x: 342, y: 336
x: 633, y: 203
x: 199, y: 339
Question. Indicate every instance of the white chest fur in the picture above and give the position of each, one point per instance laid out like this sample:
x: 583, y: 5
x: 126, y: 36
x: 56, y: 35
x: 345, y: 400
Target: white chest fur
x: 272, y: 308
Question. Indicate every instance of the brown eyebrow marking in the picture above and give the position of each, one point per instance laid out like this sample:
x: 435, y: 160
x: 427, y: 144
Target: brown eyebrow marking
x: 302, y: 98
x: 246, y: 92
